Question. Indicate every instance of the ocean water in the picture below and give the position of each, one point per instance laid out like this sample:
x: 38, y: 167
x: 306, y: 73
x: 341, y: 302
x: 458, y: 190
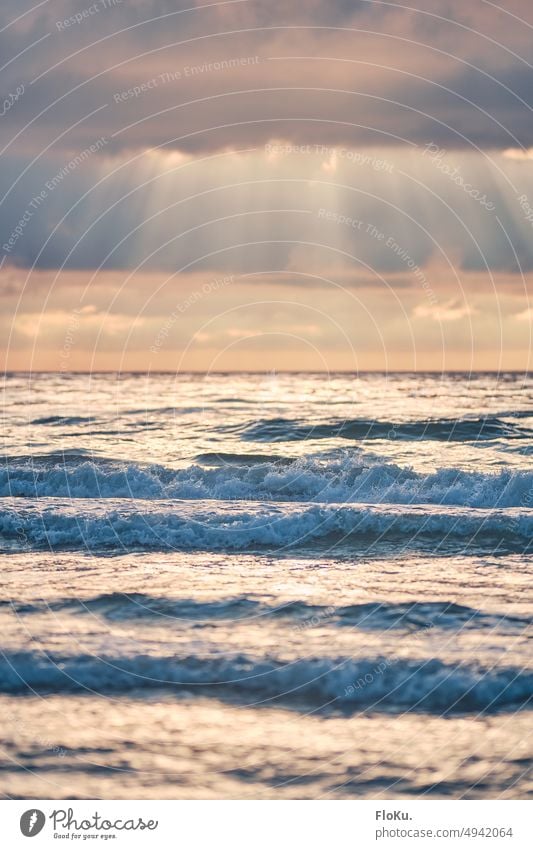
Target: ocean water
x: 266, y: 586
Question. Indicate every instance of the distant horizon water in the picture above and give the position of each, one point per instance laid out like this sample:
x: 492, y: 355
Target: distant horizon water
x: 467, y: 372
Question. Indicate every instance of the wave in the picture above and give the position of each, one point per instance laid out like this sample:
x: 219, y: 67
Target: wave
x: 344, y: 477
x: 227, y: 458
x: 447, y: 430
x: 346, y: 684
x: 63, y: 420
x: 216, y: 526
x: 58, y: 421
x: 411, y: 616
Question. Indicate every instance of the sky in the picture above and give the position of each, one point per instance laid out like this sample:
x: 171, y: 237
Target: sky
x: 266, y: 185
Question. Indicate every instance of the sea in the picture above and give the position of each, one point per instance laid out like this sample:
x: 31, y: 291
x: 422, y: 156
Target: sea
x: 275, y: 585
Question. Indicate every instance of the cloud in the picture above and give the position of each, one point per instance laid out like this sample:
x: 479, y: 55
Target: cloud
x: 518, y: 153
x: 264, y: 325
x: 525, y: 315
x: 451, y: 310
x: 334, y: 73
x: 387, y: 212
x: 368, y: 157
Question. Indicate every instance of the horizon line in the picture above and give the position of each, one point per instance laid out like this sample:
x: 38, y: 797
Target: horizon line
x: 525, y: 372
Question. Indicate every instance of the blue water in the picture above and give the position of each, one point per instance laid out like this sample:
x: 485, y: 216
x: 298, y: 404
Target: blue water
x: 256, y: 586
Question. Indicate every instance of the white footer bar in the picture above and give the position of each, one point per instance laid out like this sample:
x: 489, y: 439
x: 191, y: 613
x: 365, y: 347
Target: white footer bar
x: 268, y: 824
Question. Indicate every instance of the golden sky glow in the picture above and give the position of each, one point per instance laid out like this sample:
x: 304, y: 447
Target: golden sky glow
x: 178, y: 195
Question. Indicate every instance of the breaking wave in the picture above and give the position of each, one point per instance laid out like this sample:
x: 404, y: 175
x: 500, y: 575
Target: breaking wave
x: 346, y: 684
x: 341, y: 478
x: 240, y: 526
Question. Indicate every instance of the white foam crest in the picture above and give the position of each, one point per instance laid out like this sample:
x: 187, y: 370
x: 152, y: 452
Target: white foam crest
x: 234, y: 526
x: 379, y: 683
x: 342, y: 478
